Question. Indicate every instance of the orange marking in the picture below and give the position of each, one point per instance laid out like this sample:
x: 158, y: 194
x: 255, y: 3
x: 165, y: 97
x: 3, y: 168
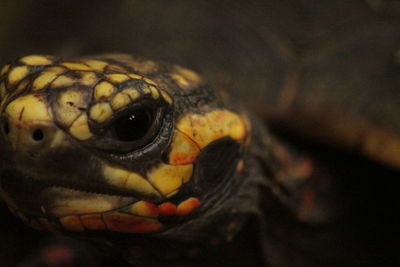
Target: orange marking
x: 151, y: 208
x: 144, y: 208
x: 72, y: 223
x: 167, y: 209
x: 93, y: 222
x: 179, y: 159
x: 188, y: 206
x: 183, y: 150
x: 131, y: 224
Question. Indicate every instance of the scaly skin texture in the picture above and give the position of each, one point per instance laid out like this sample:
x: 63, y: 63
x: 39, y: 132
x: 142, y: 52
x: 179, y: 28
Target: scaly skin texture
x: 64, y: 102
x: 134, y: 153
x: 61, y: 143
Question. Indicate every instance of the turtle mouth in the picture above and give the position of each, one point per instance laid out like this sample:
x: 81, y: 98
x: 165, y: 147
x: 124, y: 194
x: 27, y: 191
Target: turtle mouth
x: 81, y: 208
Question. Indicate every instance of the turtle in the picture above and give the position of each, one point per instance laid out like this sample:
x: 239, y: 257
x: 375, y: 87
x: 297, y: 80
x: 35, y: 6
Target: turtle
x: 147, y: 159
x: 125, y: 147
x: 289, y: 226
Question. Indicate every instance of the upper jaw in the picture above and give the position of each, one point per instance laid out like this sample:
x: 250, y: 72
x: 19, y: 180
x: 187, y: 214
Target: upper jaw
x: 93, y: 195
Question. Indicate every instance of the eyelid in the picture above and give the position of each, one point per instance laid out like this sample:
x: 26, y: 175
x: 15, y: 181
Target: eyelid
x: 105, y: 138
x: 157, y: 136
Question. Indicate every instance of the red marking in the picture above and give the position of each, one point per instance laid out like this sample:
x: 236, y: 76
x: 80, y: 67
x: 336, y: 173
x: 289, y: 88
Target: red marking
x: 93, y: 222
x: 167, y: 209
x: 178, y: 158
x: 151, y: 209
x: 72, y: 223
x: 131, y: 224
x: 188, y: 206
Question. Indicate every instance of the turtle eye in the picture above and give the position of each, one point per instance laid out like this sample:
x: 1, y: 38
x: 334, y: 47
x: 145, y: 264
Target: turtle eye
x: 142, y: 124
x: 133, y: 125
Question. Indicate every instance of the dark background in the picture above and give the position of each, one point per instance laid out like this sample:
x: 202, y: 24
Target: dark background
x: 342, y: 54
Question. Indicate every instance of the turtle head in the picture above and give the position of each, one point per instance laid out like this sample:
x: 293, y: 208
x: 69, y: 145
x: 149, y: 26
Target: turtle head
x: 115, y: 144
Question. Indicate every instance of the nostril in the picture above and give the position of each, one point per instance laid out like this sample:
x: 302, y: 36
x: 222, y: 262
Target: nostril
x: 38, y: 135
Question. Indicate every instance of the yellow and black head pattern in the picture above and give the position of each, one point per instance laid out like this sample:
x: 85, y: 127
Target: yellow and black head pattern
x: 115, y: 143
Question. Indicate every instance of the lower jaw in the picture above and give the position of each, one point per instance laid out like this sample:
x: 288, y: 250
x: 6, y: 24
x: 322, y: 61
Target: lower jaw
x: 60, y: 209
x: 135, y: 217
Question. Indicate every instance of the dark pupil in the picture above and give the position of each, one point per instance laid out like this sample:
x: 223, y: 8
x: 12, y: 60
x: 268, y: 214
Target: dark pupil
x: 133, y: 126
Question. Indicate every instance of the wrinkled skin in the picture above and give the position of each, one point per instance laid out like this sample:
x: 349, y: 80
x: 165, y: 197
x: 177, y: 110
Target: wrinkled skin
x: 302, y: 26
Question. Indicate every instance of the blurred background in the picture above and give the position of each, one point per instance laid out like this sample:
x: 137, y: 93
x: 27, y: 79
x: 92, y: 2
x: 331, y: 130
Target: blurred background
x: 332, y: 51
x: 253, y: 48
